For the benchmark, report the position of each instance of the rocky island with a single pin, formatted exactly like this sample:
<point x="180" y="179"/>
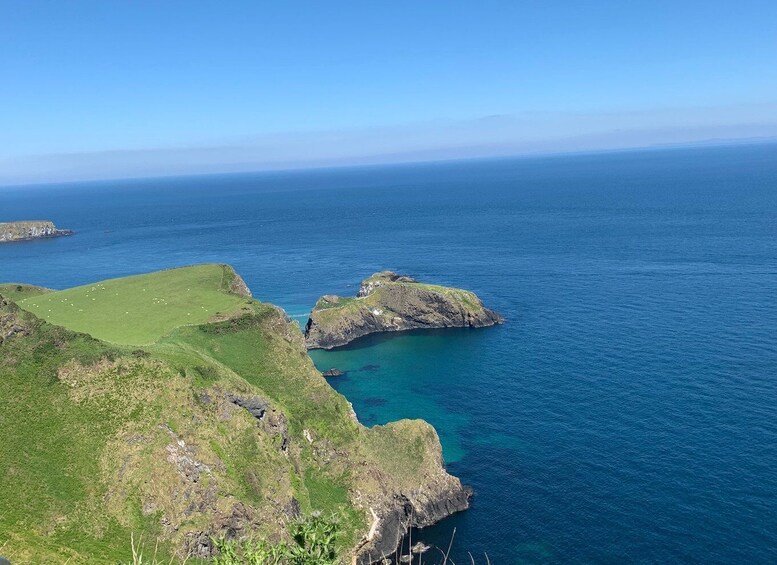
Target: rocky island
<point x="24" y="231"/>
<point x="388" y="302"/>
<point x="180" y="408"/>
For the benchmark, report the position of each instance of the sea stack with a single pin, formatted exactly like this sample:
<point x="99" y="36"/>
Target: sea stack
<point x="389" y="302"/>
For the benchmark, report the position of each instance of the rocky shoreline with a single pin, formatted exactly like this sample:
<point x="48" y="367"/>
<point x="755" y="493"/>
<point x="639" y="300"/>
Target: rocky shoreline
<point x="30" y="230"/>
<point x="388" y="302"/>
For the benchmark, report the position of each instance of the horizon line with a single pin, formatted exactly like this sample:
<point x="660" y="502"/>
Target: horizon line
<point x="334" y="165"/>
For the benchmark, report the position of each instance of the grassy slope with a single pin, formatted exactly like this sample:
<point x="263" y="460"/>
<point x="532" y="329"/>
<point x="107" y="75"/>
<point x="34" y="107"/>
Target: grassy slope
<point x="278" y="367"/>
<point x="49" y="461"/>
<point x="139" y="310"/>
<point x="74" y="477"/>
<point x="249" y="347"/>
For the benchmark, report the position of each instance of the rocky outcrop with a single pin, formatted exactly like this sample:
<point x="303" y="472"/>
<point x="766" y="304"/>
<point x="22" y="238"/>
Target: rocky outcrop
<point x="24" y="231"/>
<point x="402" y="511"/>
<point x="238" y="286"/>
<point x="270" y="419"/>
<point x="256" y="406"/>
<point x="388" y="302"/>
<point x="10" y="322"/>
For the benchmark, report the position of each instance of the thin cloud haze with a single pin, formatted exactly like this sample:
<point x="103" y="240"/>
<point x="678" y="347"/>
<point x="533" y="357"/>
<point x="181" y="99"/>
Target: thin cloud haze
<point x="489" y="136"/>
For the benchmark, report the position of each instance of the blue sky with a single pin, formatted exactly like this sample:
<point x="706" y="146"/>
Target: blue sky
<point x="96" y="89"/>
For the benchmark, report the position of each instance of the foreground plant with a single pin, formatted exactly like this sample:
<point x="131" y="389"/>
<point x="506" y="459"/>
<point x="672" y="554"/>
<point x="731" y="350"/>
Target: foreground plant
<point x="314" y="543"/>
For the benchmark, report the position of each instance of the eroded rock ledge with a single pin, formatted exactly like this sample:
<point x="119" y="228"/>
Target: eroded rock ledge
<point x="24" y="231"/>
<point x="388" y="302"/>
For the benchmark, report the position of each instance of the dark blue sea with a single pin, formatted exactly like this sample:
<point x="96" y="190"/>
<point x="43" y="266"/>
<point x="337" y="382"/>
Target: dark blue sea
<point x="627" y="410"/>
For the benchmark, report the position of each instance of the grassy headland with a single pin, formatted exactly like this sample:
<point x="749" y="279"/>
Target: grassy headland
<point x="139" y="310"/>
<point x="168" y="406"/>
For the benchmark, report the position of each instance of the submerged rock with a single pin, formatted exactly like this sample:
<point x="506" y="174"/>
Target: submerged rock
<point x="388" y="302"/>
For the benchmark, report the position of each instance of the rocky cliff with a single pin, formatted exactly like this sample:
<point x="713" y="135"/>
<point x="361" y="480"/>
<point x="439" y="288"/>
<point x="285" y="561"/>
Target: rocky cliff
<point x="388" y="302"/>
<point x="424" y="506"/>
<point x="23" y="231"/>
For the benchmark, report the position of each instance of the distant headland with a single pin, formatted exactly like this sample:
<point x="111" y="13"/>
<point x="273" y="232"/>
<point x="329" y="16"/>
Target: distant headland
<point x="27" y="230"/>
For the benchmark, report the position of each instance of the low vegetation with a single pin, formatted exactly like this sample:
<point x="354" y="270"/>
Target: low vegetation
<point x="313" y="543"/>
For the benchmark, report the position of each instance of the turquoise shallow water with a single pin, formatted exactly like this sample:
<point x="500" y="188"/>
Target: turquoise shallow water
<point x="627" y="410"/>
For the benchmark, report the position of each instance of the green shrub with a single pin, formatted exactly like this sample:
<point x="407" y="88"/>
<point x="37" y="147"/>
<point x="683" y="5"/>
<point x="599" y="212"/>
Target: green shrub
<point x="314" y="544"/>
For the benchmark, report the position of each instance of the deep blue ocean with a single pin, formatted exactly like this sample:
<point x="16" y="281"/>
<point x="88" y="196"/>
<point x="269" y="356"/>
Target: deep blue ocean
<point x="627" y="410"/>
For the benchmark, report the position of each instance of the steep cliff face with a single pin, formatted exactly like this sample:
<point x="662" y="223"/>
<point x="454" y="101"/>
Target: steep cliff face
<point x="388" y="302"/>
<point x="22" y="231"/>
<point x="435" y="496"/>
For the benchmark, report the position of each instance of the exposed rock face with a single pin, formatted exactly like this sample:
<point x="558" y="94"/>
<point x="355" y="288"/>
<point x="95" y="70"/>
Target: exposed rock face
<point x="23" y="231"/>
<point x="256" y="406"/>
<point x="269" y="418"/>
<point x="388" y="302"/>
<point x="10" y="323"/>
<point x="404" y="511"/>
<point x="239" y="287"/>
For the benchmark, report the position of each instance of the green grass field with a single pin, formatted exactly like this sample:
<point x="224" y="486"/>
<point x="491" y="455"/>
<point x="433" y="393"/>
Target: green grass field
<point x="139" y="310"/>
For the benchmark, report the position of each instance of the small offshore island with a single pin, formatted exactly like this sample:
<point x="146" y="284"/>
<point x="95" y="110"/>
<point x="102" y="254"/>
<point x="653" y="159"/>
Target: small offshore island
<point x="176" y="405"/>
<point x="29" y="230"/>
<point x="388" y="302"/>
